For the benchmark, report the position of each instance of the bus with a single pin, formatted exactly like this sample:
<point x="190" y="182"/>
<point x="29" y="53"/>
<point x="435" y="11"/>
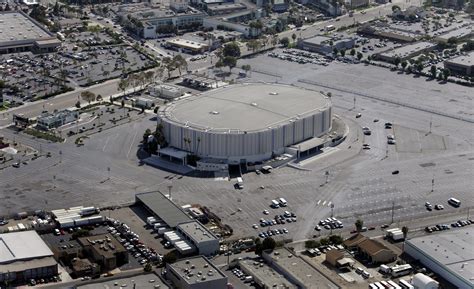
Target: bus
<point x="401" y="270"/>
<point x="454" y="202"/>
<point x="405" y="285"/>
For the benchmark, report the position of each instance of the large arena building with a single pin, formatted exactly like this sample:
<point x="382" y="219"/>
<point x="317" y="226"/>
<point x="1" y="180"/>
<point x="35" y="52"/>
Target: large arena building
<point x="245" y="123"/>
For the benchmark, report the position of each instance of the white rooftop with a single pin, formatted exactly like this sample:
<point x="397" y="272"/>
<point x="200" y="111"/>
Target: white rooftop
<point x="22" y="246"/>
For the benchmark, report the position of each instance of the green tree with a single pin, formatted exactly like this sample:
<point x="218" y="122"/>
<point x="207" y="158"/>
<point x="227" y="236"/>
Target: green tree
<point x="343" y="52"/>
<point x="359" y="224"/>
<point x="268" y="244"/>
<point x="88" y="96"/>
<point x="179" y="62"/>
<point x="335" y="51"/>
<point x="353" y="51"/>
<point x="231" y="49"/>
<point x="433" y="71"/>
<point x="397" y="61"/>
<point x="335" y="239"/>
<point x="230" y="62"/>
<point x="446" y="74"/>
<point x="170" y="258"/>
<point x="285" y="41"/>
<point x="253" y="45"/>
<point x="405" y="231"/>
<point x="452" y="41"/>
<point x="123" y="85"/>
<point x="148" y="267"/>
<point x="396" y="8"/>
<point x="246" y="67"/>
<point x="293" y="37"/>
<point x="404" y="64"/>
<point x="359" y="55"/>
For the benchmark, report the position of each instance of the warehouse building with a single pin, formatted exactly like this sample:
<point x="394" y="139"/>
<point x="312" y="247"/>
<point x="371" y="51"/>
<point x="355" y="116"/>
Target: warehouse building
<point x="25" y="256"/>
<point x="163" y="208"/>
<point x="195" y="273"/>
<point x="406" y="52"/>
<point x="19" y="33"/>
<point x="265" y="276"/>
<point x="204" y="240"/>
<point x="325" y="45"/>
<point x="449" y="254"/>
<point x="244" y="123"/>
<point x="297" y="270"/>
<point x="461" y="65"/>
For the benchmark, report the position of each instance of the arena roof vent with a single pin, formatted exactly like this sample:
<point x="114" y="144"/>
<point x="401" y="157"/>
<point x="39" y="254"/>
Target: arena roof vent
<point x="273" y="93"/>
<point x="214" y="112"/>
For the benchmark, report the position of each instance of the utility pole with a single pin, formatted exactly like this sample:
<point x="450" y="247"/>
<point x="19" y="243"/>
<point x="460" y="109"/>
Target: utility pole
<point x="354" y="102"/>
<point x="332" y="210"/>
<point x="393" y="211"/>
<point x="327" y="176"/>
<point x="431" y="123"/>
<point x="432" y="183"/>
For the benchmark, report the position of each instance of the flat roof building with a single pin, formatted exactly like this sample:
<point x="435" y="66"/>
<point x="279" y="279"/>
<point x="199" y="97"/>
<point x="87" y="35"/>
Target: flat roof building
<point x="195" y="273"/>
<point x="325" y="45"/>
<point x="56" y="119"/>
<point x="162" y="207"/>
<point x="461" y="65"/>
<point x="105" y="250"/>
<point x="19" y="32"/>
<point x="297" y="270"/>
<point x="449" y="254"/>
<point x="265" y="276"/>
<point x="203" y="239"/>
<point x="146" y="281"/>
<point x="459" y="33"/>
<point x="24" y="256"/>
<point x="406" y="52"/>
<point x="187" y="45"/>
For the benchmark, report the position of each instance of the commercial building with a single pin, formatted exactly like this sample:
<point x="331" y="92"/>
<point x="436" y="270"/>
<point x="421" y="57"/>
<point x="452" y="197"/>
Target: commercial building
<point x="297" y="270"/>
<point x="245" y="123"/>
<point x="406" y="52"/>
<point x="19" y="32"/>
<point x="336" y="259"/>
<point x="325" y="45"/>
<point x="461" y="65"/>
<point x="449" y="254"/>
<point x="384" y="30"/>
<point x="375" y="251"/>
<point x="204" y="240"/>
<point x="187" y="46"/>
<point x="165" y="91"/>
<point x="163" y="208"/>
<point x="328" y="7"/>
<point x="105" y="250"/>
<point x="264" y="276"/>
<point x="459" y="33"/>
<point x="25" y="256"/>
<point x="357" y="3"/>
<point x="227" y="8"/>
<point x="195" y="273"/>
<point x="56" y="119"/>
<point x="145" y="281"/>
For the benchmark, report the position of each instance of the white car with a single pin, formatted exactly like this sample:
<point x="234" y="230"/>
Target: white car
<point x="266" y="212"/>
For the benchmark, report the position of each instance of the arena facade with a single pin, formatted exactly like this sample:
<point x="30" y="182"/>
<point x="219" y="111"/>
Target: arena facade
<point x="246" y="122"/>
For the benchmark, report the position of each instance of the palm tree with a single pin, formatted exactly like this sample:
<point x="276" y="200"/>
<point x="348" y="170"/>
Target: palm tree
<point x="359" y="224"/>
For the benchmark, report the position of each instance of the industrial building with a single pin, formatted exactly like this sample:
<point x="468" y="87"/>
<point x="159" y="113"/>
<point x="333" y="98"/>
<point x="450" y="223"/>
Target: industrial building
<point x="449" y="254"/>
<point x="265" y="276"/>
<point x="406" y="52"/>
<point x="325" y="45"/>
<point x="297" y="270"/>
<point x="56" y="119"/>
<point x="205" y="241"/>
<point x="461" y="65"/>
<point x="195" y="273"/>
<point x="25" y="256"/>
<point x="19" y="33"/>
<point x="244" y="123"/>
<point x="459" y="33"/>
<point x="163" y="208"/>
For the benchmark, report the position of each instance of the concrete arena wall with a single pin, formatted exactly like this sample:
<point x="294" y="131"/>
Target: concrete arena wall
<point x="252" y="146"/>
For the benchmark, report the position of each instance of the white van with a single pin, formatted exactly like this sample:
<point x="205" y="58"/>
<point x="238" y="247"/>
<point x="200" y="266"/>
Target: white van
<point x="275" y="204"/>
<point x="283" y="202"/>
<point x="454" y="202"/>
